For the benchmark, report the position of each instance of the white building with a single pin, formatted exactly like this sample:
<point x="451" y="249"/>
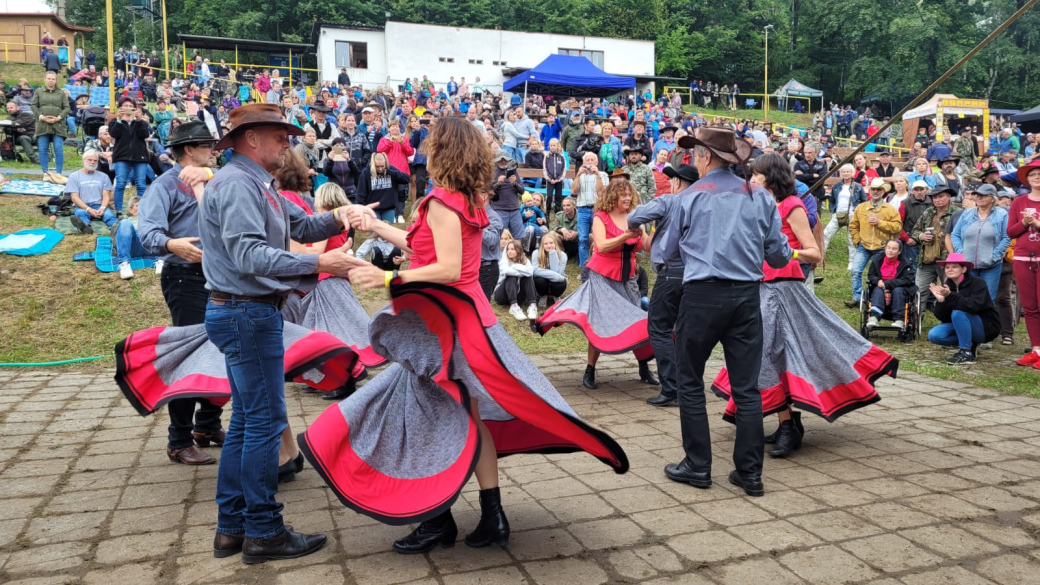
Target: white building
<point x="385" y="56"/>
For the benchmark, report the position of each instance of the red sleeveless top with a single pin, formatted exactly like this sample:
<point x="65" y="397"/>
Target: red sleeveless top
<point x="793" y="270"/>
<point x="420" y="240"/>
<point x="621" y="261"/>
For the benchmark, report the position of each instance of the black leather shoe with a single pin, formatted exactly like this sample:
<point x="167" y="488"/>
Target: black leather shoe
<point x="226" y="545"/>
<point x="340" y="393"/>
<point x="685" y="473"/>
<point x="788" y="440"/>
<point x="287" y="545"/>
<point x="590" y="377"/>
<point x="439" y="530"/>
<point x="752" y="484"/>
<point x="797" y="418"/>
<point x="645" y="375"/>
<point x="288" y="470"/>
<point x="662" y="400"/>
<point x="493" y="527"/>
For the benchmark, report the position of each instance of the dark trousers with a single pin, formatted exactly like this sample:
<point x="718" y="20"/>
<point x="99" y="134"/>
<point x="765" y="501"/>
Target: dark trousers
<point x="554" y="198"/>
<point x="184" y="289"/>
<point x="488" y="277"/>
<point x="1005" y="304"/>
<point x="664" y="309"/>
<point x="402" y="198"/>
<point x="570" y="247"/>
<point x="642" y="281"/>
<point x="728" y="312"/>
<point x="421" y="176"/>
<point x="549" y="288"/>
<point x="516" y="290"/>
<point x="386" y="262"/>
<point x="877" y="299"/>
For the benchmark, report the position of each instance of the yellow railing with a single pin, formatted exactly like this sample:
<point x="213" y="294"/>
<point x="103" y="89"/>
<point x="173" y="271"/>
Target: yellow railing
<point x="741" y="97"/>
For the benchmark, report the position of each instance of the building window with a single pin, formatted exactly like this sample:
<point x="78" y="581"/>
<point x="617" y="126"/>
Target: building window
<point x="352" y="55"/>
<point x="447" y="59"/>
<point x="595" y="56"/>
<point x="476" y="61"/>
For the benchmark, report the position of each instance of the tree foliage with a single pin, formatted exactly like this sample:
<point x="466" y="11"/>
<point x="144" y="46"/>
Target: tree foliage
<point x="888" y="49"/>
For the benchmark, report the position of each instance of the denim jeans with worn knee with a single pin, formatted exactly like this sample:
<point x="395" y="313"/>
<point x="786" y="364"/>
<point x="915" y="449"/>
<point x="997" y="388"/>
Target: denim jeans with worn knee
<point x="128" y="244"/>
<point x="963" y="331"/>
<point x="108" y="217"/>
<point x="584" y="231"/>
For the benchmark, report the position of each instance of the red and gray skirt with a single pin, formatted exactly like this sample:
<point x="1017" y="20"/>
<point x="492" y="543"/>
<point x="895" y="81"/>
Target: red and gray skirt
<point x="811" y="358"/>
<point x="608" y="313"/>
<point x="401" y="448"/>
<point x="157" y="365"/>
<point x="332" y="307"/>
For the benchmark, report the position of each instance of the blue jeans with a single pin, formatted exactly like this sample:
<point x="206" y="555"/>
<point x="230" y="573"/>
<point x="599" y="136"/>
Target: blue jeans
<point x="991" y="276"/>
<point x="515" y="153"/>
<point x="71" y="120"/>
<point x="43" y="143"/>
<point x="108" y="217"/>
<point x="512" y="221"/>
<point x="388" y="215"/>
<point x="250" y="337"/>
<point x="584" y="231"/>
<point x="128" y="244"/>
<point x="859" y="264"/>
<point x="911" y="254"/>
<point x="963" y="331"/>
<point x="123" y="170"/>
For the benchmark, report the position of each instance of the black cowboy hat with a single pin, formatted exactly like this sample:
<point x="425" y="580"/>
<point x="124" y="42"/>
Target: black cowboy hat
<point x="722" y="142"/>
<point x="950" y="158"/>
<point x="667" y="128"/>
<point x="321" y="108"/>
<point x="683" y="173"/>
<point x="194" y="132"/>
<point x="941" y="190"/>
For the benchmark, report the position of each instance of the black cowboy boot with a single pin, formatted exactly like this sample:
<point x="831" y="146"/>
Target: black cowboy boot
<point x="341" y="393"/>
<point x="788" y="440"/>
<point x="438" y="530"/>
<point x="590" y="377"/>
<point x="645" y="375"/>
<point x="493" y="527"/>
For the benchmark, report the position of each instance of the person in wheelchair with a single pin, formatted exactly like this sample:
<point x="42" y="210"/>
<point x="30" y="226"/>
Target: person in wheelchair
<point x="891" y="278"/>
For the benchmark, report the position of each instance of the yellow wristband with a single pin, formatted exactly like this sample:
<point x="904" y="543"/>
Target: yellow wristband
<point x="210" y="171"/>
<point x="794" y="256"/>
<point x="389" y="277"/>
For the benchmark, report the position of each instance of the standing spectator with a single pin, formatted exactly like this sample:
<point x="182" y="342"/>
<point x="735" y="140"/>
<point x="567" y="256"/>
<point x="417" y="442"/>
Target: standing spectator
<point x="130" y="154"/>
<point x="1024" y="226"/>
<point x="397" y="150"/>
<point x="90" y="192"/>
<point x="344" y="79"/>
<point x="356" y="142"/>
<point x="846" y="195"/>
<point x="910" y="210"/>
<point x="588" y="182"/>
<point x="342" y="169"/>
<point x="981" y="236"/>
<point x="551" y="129"/>
<point x="490" y="254"/>
<point x="641" y="177"/>
<point x="418" y="136"/>
<point x="809" y="170"/>
<point x="610" y="153"/>
<point x="507" y="189"/>
<point x="931" y="232"/>
<point x="922" y="172"/>
<point x="50" y="107"/>
<point x="873" y="224"/>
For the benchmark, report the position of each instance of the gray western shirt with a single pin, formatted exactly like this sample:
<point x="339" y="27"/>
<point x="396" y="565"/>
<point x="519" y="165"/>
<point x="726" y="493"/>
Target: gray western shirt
<point x="726" y="234"/>
<point x="168" y="210"/>
<point x="245" y="226"/>
<point x="664" y="253"/>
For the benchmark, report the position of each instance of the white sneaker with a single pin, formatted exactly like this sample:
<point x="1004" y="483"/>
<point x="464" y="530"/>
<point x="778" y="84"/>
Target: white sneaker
<point x="400" y="219"/>
<point x="517" y="312"/>
<point x="125" y="272"/>
<point x="158" y="267"/>
<point x="532" y="311"/>
<point x="899" y="324"/>
<point x="872" y="322"/>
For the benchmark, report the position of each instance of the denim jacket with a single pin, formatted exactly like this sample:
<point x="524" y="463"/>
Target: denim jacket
<point x="984" y="253"/>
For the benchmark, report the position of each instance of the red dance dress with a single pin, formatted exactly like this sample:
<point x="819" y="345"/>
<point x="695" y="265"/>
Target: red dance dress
<point x="401" y="448"/>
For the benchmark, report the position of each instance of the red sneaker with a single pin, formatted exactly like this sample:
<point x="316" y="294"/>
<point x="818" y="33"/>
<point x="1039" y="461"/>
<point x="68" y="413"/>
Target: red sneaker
<point x="1030" y="359"/>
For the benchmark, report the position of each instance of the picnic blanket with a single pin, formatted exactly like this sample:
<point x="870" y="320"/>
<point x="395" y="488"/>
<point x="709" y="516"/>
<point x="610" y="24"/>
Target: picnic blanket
<point x="64" y="225"/>
<point x="106" y="262"/>
<point x="30" y="242"/>
<point x="27" y="187"/>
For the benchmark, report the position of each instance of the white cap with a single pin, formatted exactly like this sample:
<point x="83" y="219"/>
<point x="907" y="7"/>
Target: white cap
<point x="367" y="111"/>
<point x="919" y="183"/>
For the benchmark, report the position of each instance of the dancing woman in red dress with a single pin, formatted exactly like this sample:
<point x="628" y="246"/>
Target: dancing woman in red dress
<point x="460" y="393"/>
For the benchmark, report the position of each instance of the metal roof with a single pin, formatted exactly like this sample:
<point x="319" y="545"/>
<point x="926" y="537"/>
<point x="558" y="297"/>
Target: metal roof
<point x="226" y="44"/>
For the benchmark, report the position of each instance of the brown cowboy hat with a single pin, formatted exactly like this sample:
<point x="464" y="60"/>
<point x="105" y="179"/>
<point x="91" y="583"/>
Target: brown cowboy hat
<point x="722" y="142"/>
<point x="245" y="117"/>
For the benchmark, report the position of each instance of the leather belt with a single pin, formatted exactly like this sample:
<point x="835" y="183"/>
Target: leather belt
<point x="271" y="299"/>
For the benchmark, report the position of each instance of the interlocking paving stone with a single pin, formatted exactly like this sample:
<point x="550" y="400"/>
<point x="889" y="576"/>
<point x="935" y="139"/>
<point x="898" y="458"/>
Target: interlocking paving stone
<point x="937" y="483"/>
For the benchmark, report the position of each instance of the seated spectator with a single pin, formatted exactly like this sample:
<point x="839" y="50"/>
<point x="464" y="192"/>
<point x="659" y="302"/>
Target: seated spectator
<point x="567" y="227"/>
<point x="535" y="222"/>
<point x="550" y="276"/>
<point x="22" y="130"/>
<point x="384" y="254"/>
<point x="516" y="282"/>
<point x="128" y="243"/>
<point x="965" y="310"/>
<point x="891" y="278"/>
<point x="91" y="192"/>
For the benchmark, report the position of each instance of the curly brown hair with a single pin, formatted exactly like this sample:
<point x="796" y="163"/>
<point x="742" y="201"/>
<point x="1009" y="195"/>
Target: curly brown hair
<point x="292" y="176"/>
<point x="610" y="196"/>
<point x="458" y="158"/>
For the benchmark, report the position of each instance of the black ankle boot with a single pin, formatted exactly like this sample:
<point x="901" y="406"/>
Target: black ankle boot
<point x="493" y="527"/>
<point x="439" y="530"/>
<point x="590" y="377"/>
<point x="771" y="438"/>
<point x="645" y="375"/>
<point x="788" y="439"/>
<point x="341" y="393"/>
<point x="797" y="417"/>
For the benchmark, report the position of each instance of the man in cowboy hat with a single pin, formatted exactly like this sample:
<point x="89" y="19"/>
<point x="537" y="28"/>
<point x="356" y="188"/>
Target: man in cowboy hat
<point x="947" y="175"/>
<point x="665" y="142"/>
<point x="638" y="138"/>
<point x="324" y="130"/>
<point x="726" y="228"/>
<point x="245" y="227"/>
<point x="667" y="262"/>
<point x="168" y="225"/>
<point x="641" y="176"/>
<point x="873" y="223"/>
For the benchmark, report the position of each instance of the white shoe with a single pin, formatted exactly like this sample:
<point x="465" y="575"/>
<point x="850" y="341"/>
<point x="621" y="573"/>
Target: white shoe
<point x="400" y="219"/>
<point x="158" y="267"/>
<point x="872" y="322"/>
<point x="517" y="313"/>
<point x="532" y="311"/>
<point x="899" y="324"/>
<point x="125" y="272"/>
<point x="542" y="302"/>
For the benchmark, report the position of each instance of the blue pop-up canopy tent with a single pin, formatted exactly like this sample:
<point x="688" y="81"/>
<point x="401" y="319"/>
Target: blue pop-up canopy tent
<point x="563" y="75"/>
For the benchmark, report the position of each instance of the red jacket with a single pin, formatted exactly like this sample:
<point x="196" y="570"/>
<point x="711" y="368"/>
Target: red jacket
<point x="397" y="152"/>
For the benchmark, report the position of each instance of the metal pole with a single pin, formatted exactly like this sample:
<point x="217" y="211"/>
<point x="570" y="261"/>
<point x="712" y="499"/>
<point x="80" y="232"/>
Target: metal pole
<point x="931" y="88"/>
<point x="765" y="88"/>
<point x="165" y="41"/>
<point x="290" y="68"/>
<point x="525" y="96"/>
<point x="184" y="58"/>
<point x="111" y="58"/>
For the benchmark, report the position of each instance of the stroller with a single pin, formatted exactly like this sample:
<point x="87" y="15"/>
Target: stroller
<point x="94" y="117"/>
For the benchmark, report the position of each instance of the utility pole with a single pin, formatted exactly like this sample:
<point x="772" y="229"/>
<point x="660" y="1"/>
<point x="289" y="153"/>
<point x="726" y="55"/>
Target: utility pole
<point x="765" y="87"/>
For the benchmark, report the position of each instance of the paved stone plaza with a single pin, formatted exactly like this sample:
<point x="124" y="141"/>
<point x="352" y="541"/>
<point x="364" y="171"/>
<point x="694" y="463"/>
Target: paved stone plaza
<point x="937" y="484"/>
